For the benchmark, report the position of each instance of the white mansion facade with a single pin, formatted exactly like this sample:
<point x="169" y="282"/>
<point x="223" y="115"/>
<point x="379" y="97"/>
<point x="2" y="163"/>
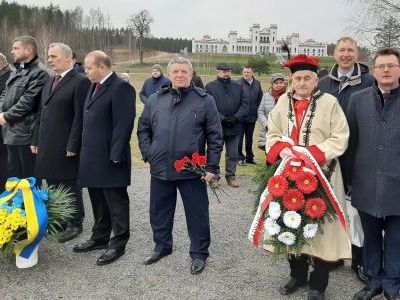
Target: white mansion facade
<point x="260" y="41"/>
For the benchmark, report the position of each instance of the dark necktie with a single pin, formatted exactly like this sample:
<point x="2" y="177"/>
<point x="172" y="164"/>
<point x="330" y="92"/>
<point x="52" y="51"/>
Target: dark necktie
<point x="385" y="96"/>
<point x="343" y="78"/>
<point x="96" y="88"/>
<point x="56" y="81"/>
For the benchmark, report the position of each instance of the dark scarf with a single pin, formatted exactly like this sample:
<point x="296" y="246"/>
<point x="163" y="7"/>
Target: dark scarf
<point x="277" y="93"/>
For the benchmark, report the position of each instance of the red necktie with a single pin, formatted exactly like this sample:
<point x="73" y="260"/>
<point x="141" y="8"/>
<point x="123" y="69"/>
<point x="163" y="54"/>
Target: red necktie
<point x="96" y="88"/>
<point x="56" y="81"/>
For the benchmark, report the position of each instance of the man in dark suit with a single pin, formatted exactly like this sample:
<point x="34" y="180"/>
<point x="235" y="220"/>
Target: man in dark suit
<point x="105" y="163"/>
<point x="5" y="72"/>
<point x="57" y="137"/>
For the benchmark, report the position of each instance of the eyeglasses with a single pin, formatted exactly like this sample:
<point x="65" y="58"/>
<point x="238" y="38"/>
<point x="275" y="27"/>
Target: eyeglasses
<point x="382" y="67"/>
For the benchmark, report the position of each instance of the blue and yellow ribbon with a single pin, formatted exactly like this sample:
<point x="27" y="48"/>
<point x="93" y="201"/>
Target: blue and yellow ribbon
<point x="35" y="209"/>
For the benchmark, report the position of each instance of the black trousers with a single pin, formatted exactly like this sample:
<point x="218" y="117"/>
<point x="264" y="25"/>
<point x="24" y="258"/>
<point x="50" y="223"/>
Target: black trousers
<point x="246" y="133"/>
<point x="231" y="157"/>
<point x="319" y="277"/>
<point x="381" y="252"/>
<point x="76" y="191"/>
<point x="111" y="213"/>
<point x="162" y="210"/>
<point x="20" y="161"/>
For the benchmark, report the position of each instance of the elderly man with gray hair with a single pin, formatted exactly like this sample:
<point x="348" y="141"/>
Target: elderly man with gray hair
<point x="58" y="133"/>
<point x="177" y="121"/>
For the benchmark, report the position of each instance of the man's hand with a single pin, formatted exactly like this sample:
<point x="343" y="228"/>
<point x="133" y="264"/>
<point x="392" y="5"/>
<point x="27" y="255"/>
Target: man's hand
<point x="286" y="152"/>
<point x="2" y="120"/>
<point x="34" y="149"/>
<point x="208" y="177"/>
<point x="70" y="154"/>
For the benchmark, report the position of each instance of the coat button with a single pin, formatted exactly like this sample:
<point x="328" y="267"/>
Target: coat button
<point x="380" y="147"/>
<point x="379" y="171"/>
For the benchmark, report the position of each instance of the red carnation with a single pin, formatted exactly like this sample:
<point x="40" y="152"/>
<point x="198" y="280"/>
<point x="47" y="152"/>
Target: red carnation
<point x="277" y="185"/>
<point x="179" y="165"/>
<point x="306" y="183"/>
<point x="195" y="159"/>
<point x="292" y="172"/>
<point x="315" y="208"/>
<point x="185" y="160"/>
<point x="202" y="160"/>
<point x="293" y="200"/>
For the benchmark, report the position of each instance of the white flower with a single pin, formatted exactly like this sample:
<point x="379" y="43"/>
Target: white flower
<point x="287" y="238"/>
<point x="272" y="227"/>
<point x="292" y="219"/>
<point x="310" y="230"/>
<point x="274" y="210"/>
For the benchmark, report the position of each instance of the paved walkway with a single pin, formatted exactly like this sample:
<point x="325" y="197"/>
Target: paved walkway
<point x="235" y="270"/>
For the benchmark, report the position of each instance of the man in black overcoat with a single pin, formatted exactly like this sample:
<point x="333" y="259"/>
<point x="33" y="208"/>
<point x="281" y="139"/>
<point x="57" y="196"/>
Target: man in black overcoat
<point x="105" y="163"/>
<point x="57" y="137"/>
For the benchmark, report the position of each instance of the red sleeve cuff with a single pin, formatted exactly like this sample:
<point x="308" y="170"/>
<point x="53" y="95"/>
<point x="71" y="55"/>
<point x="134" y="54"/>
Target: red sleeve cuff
<point x="317" y="154"/>
<point x="273" y="153"/>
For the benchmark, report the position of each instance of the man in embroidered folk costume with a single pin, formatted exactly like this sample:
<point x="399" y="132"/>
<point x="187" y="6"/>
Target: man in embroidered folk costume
<point x="308" y="118"/>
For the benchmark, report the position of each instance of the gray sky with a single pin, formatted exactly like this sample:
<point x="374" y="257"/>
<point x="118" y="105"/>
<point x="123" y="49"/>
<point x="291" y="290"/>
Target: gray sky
<point x="323" y="20"/>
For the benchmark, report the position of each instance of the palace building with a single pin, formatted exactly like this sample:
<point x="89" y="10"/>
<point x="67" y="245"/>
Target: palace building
<point x="260" y="41"/>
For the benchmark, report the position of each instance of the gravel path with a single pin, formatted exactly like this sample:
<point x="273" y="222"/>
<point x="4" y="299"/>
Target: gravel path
<point x="235" y="269"/>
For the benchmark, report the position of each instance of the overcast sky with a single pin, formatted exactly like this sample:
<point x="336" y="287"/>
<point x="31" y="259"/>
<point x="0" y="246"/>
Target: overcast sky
<point x="322" y="20"/>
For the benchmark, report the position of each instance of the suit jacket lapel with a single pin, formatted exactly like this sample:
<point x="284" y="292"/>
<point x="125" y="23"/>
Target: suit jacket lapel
<point x="90" y="100"/>
<point x="63" y="81"/>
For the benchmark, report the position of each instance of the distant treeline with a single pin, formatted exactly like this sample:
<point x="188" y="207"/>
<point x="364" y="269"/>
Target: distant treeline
<point x="83" y="32"/>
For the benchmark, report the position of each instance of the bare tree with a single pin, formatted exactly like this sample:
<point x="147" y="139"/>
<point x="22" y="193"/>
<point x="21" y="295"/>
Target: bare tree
<point x="388" y="35"/>
<point x="371" y="15"/>
<point x="140" y="25"/>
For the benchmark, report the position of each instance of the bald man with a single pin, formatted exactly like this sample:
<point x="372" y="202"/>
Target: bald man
<point x="105" y="165"/>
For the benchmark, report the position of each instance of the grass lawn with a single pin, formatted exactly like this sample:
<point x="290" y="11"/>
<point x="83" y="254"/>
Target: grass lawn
<point x="139" y="73"/>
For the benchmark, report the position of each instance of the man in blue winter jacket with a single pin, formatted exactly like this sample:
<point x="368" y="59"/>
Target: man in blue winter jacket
<point x="154" y="83"/>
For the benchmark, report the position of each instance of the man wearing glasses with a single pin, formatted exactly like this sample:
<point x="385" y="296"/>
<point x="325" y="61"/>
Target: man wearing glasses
<point x="374" y="154"/>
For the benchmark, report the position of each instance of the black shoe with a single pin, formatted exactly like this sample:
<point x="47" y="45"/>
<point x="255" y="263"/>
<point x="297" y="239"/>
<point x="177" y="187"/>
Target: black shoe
<point x="69" y="234"/>
<point x="89" y="245"/>
<point x="291" y="286"/>
<point x="197" y="266"/>
<point x="391" y="297"/>
<point x="252" y="162"/>
<point x="367" y="294"/>
<point x="241" y="162"/>
<point x="315" y="295"/>
<point x="109" y="256"/>
<point x="155" y="257"/>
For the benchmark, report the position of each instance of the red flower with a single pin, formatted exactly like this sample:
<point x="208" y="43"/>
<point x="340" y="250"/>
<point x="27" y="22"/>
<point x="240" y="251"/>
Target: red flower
<point x="292" y="172"/>
<point x="277" y="185"/>
<point x="306" y="183"/>
<point x="185" y="160"/>
<point x="315" y="208"/>
<point x="293" y="200"/>
<point x="179" y="165"/>
<point x="202" y="160"/>
<point x="195" y="159"/>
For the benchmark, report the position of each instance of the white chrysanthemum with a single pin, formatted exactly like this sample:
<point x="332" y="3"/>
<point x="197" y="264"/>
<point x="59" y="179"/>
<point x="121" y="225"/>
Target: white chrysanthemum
<point x="292" y="219"/>
<point x="271" y="227"/>
<point x="310" y="230"/>
<point x="274" y="210"/>
<point x="287" y="238"/>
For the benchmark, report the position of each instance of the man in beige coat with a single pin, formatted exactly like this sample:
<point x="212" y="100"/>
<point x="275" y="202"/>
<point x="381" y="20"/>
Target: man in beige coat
<point x="317" y="122"/>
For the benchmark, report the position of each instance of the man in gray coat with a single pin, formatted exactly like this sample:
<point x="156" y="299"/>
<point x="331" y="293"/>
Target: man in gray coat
<point x="374" y="158"/>
<point x="18" y="105"/>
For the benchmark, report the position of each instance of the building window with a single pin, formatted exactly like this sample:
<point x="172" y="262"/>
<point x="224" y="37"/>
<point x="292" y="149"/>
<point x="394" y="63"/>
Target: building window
<point x="273" y="39"/>
<point x="255" y="48"/>
<point x="267" y="39"/>
<point x="256" y="38"/>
